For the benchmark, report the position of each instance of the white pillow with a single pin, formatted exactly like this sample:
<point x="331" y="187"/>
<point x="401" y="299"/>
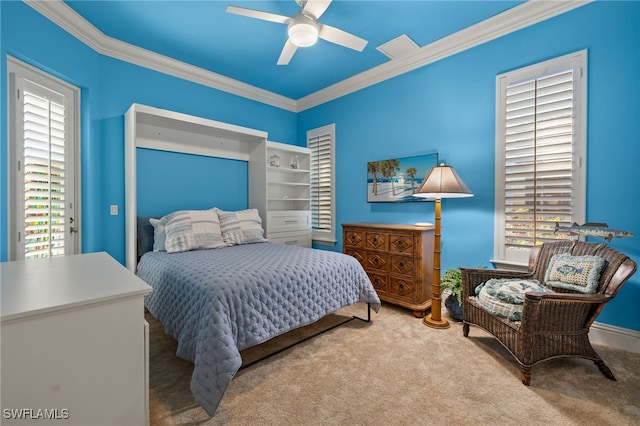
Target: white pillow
<point x="159" y="234"/>
<point x="192" y="229"/>
<point x="241" y="227"/>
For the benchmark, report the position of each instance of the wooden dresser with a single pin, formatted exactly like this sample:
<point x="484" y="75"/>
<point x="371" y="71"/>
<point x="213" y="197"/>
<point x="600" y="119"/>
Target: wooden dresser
<point x="398" y="260"/>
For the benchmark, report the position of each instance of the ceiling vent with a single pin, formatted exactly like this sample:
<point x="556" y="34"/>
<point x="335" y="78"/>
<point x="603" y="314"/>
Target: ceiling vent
<point x="399" y="46"/>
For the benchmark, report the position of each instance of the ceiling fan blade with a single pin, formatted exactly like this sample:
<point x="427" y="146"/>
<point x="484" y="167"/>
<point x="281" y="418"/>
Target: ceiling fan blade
<point x="258" y="14"/>
<point x="316" y="7"/>
<point x="343" y="38"/>
<point x="287" y="53"/>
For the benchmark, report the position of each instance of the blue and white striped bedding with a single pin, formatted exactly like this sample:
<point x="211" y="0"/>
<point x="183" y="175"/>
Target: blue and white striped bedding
<point x="217" y="302"/>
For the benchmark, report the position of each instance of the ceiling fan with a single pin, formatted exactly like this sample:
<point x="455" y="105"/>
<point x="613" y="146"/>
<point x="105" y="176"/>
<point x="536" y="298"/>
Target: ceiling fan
<point x="303" y="28"/>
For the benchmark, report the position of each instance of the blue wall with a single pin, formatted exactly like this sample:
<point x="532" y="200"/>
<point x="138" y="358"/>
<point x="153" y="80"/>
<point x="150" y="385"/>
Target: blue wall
<point x="109" y="87"/>
<point x="448" y="107"/>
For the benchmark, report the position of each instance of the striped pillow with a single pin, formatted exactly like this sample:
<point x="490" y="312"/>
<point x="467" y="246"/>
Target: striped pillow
<point x="192" y="229"/>
<point x="241" y="227"/>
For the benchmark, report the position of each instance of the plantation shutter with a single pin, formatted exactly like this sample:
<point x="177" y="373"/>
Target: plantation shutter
<point x="321" y="182"/>
<point x="540" y="185"/>
<point x="321" y="143"/>
<point x="44" y="166"/>
<point x="538" y="159"/>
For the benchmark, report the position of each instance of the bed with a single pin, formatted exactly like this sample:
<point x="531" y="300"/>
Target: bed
<point x="216" y="302"/>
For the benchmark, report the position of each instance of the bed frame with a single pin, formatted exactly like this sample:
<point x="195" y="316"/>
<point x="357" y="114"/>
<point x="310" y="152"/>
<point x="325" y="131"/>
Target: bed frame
<point x="341" y="323"/>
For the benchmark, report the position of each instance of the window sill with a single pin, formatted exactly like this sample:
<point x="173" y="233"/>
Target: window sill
<point x="509" y="265"/>
<point x="324" y="241"/>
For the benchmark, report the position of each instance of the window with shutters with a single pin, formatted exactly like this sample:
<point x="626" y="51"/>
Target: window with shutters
<point x="43" y="220"/>
<point x="540" y="155"/>
<point x="321" y="142"/>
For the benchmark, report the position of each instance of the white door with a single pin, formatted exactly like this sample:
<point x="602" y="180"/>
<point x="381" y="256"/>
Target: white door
<point x="43" y="213"/>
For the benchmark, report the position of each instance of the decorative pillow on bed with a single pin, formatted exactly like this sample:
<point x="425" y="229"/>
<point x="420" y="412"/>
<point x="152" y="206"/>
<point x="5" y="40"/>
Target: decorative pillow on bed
<point x="192" y="229"/>
<point x="241" y="227"/>
<point x="578" y="273"/>
<point x="504" y="297"/>
<point x="159" y="234"/>
<point x="145" y="235"/>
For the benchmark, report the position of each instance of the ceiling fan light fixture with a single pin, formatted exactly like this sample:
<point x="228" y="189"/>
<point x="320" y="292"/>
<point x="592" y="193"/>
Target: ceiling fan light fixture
<point x="303" y="31"/>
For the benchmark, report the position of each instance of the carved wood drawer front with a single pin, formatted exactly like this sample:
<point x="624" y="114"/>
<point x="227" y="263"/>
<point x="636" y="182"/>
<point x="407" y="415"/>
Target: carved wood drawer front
<point x="377" y="241"/>
<point x="402" y="265"/>
<point x="359" y="255"/>
<point x="354" y="239"/>
<point x="401" y="243"/>
<point x="378" y="261"/>
<point x="401" y="287"/>
<point x="379" y="281"/>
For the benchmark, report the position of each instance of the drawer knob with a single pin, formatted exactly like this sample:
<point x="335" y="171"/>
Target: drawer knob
<point x="375" y="240"/>
<point x="401" y="288"/>
<point x="400" y="243"/>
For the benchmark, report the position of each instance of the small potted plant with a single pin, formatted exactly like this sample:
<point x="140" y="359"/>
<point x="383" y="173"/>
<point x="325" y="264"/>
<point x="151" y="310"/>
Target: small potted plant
<point x="452" y="283"/>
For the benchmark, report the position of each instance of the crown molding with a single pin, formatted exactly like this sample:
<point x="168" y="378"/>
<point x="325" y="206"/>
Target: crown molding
<point x="511" y="20"/>
<point x="62" y="15"/>
<point x="514" y="19"/>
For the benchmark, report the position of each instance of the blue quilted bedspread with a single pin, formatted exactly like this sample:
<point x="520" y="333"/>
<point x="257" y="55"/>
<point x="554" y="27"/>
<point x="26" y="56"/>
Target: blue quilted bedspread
<point x="217" y="302"/>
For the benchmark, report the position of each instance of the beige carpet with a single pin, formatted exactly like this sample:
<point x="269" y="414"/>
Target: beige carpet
<point x="396" y="371"/>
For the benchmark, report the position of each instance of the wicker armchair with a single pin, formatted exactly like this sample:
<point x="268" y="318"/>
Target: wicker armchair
<point x="552" y="325"/>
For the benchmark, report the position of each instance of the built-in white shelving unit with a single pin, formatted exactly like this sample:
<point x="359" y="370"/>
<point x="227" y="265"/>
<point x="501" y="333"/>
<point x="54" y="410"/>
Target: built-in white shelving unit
<point x="281" y="194"/>
<point x="155" y="128"/>
<point x="279" y="179"/>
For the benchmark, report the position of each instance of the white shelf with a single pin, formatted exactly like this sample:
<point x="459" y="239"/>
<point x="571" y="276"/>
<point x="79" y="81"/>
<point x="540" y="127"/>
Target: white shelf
<point x="282" y="194"/>
<point x="302" y="184"/>
<point x="287" y="170"/>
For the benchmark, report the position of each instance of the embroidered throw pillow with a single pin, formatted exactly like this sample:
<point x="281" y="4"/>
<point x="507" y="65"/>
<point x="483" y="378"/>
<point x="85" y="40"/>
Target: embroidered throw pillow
<point x="241" y="227"/>
<point x="192" y="229"/>
<point x="578" y="273"/>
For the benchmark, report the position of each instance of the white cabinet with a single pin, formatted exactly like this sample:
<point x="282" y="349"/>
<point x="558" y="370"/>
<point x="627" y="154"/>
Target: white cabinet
<point x="279" y="187"/>
<point x="74" y="342"/>
<point x="160" y="129"/>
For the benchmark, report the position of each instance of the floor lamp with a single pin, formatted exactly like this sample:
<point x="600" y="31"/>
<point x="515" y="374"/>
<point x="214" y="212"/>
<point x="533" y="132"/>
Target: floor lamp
<point x="441" y="182"/>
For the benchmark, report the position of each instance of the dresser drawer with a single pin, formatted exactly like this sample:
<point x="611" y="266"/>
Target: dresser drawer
<point x="379" y="282"/>
<point x="293" y="238"/>
<point x="288" y="220"/>
<point x="402" y="244"/>
<point x="354" y="239"/>
<point x="376" y="262"/>
<point x="377" y="241"/>
<point x="404" y="288"/>
<point x="402" y="265"/>
<point x="358" y="254"/>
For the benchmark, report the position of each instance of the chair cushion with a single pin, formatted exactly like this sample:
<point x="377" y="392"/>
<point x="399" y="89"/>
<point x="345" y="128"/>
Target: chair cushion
<point x="505" y="296"/>
<point x="578" y="273"/>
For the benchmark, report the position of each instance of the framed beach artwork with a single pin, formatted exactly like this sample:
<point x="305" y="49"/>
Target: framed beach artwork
<point x="397" y="179"/>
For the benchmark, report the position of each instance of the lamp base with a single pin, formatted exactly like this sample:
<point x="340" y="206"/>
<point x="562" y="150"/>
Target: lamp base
<point x="440" y="324"/>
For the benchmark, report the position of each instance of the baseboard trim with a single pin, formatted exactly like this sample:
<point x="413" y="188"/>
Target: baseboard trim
<point x="615" y="337"/>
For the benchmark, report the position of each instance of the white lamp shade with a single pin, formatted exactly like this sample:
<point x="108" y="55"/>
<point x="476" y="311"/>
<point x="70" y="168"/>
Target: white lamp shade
<point x="443" y="182"/>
